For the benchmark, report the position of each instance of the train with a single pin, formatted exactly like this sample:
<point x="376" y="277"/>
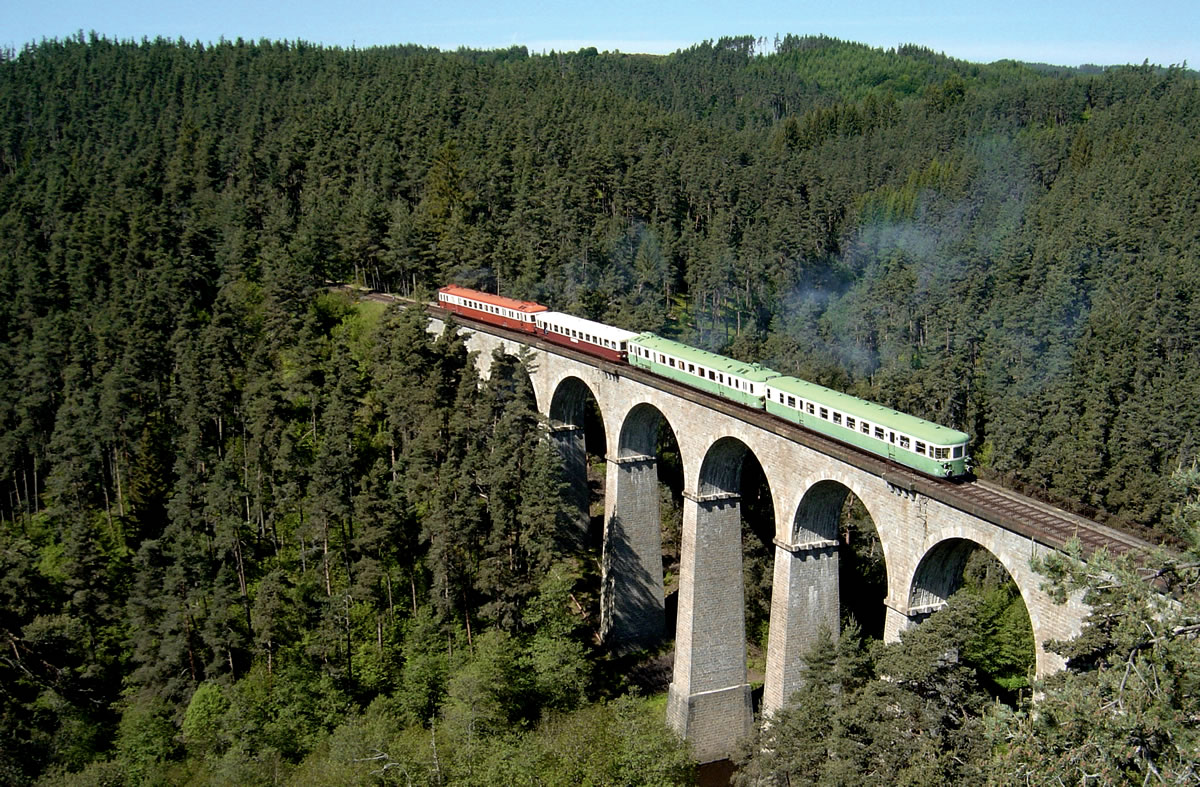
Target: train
<point x="924" y="446"/>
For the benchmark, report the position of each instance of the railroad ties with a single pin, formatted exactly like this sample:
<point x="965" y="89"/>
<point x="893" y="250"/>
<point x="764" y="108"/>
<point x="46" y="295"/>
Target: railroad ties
<point x="1055" y="527"/>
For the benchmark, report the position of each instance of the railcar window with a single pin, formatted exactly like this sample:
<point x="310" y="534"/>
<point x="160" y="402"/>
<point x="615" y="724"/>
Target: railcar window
<point x="691" y="368"/>
<point x="811" y="409"/>
<point x="958" y="452"/>
<point x="866" y="428"/>
<point x="837" y="418"/>
<point x="791" y="401"/>
<point x="850" y="422"/>
<point x="920" y="447"/>
<point x="825" y="413"/>
<point x="751" y="387"/>
<point x="904" y="441"/>
<point x="712" y="375"/>
<point x="671" y="361"/>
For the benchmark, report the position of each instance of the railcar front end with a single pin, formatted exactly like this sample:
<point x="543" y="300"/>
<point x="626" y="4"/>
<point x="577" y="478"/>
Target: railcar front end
<point x="914" y="442"/>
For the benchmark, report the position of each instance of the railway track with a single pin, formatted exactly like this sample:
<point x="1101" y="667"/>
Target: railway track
<point x="1003" y="507"/>
<point x="1055" y="526"/>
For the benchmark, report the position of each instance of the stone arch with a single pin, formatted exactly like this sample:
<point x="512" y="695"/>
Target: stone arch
<point x="639" y="431"/>
<point x="633" y="599"/>
<point x="483" y="345"/>
<point x="816" y="518"/>
<point x="807" y="594"/>
<point x="721" y="468"/>
<point x="567" y="411"/>
<point x="940" y="573"/>
<point x="568" y="401"/>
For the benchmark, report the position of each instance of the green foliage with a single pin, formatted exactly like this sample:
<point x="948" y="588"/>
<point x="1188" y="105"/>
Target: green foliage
<point x="145" y="740"/>
<point x="614" y="743"/>
<point x="216" y="474"/>
<point x="1001" y="647"/>
<point x="906" y="713"/>
<point x="202" y="720"/>
<point x="1125" y="709"/>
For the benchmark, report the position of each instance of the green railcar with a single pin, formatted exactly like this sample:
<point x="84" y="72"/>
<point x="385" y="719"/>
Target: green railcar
<point x="920" y="444"/>
<point x="716" y="374"/>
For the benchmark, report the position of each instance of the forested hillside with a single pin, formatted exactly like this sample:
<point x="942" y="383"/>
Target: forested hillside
<point x="213" y="475"/>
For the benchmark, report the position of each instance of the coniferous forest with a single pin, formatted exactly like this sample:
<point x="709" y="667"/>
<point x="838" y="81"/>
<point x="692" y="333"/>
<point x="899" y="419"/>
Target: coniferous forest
<point x="254" y="531"/>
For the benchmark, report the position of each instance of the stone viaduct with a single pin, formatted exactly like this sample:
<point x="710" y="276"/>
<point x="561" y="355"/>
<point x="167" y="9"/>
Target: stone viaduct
<point x="924" y="540"/>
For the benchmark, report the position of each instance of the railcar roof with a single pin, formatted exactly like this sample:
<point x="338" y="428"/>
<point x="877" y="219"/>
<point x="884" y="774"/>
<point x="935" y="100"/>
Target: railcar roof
<point x="589" y="326"/>
<point x="919" y="428"/>
<point x="529" y="307"/>
<point x="748" y="371"/>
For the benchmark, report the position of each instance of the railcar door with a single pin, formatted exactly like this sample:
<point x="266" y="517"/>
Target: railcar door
<point x="891" y="445"/>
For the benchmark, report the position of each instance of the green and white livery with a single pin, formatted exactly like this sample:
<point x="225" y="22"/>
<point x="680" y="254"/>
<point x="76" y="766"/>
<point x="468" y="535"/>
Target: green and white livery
<point x="905" y="439"/>
<point x="920" y="444"/>
<point x="735" y="380"/>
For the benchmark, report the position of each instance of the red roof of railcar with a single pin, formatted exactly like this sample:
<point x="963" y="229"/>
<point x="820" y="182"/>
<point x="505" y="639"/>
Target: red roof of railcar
<point x="528" y="307"/>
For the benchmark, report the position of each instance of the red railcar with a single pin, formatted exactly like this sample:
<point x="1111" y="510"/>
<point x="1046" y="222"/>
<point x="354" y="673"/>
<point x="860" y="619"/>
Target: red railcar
<point x="494" y="309"/>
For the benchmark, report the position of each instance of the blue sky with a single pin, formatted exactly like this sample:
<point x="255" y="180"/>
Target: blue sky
<point x="1064" y="33"/>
